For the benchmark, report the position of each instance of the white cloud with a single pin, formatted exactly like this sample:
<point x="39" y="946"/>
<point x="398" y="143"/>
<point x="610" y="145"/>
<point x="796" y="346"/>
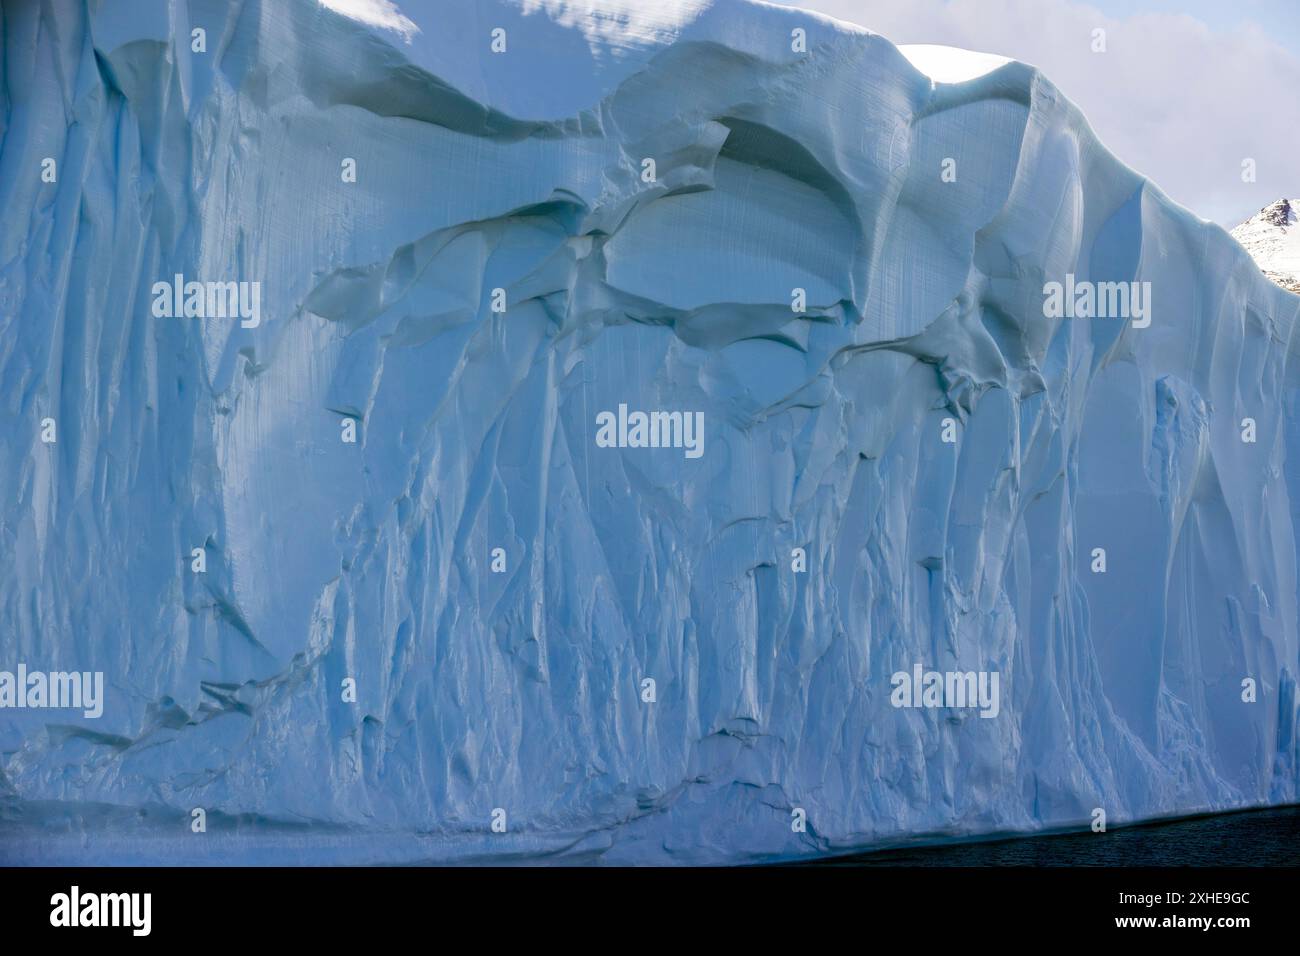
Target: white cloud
<point x="1177" y="102"/>
<point x="383" y="14"/>
<point x="950" y="64"/>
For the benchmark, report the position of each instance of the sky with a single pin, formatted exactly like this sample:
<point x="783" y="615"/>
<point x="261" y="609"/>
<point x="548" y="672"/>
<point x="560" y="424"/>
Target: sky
<point x="1184" y="92"/>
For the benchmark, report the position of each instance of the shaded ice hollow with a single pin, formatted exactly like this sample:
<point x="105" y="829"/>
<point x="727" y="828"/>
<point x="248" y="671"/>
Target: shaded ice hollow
<point x="521" y="689"/>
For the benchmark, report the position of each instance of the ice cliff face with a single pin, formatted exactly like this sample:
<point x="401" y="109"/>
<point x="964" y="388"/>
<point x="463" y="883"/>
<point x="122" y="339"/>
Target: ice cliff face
<point x="469" y="260"/>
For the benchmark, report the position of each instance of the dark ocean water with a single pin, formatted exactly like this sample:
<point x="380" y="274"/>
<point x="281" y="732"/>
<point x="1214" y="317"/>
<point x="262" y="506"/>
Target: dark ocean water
<point x="1251" y="838"/>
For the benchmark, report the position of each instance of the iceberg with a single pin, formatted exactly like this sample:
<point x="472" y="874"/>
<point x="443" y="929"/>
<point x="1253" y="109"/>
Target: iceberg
<point x="362" y="584"/>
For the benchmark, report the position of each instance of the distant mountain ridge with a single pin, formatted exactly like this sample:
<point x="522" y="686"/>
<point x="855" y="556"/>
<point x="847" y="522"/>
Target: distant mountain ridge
<point x="1272" y="237"/>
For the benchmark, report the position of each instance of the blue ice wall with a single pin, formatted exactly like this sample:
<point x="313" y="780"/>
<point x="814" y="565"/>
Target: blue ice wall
<point x="375" y="650"/>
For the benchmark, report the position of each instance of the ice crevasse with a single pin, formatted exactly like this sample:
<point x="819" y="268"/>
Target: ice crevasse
<point x="475" y="233"/>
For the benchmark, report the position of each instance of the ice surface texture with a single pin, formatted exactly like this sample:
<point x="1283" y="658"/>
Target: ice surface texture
<point x="521" y="690"/>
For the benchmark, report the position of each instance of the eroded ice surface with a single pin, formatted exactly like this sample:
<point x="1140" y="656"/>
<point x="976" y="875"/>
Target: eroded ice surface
<point x="523" y="170"/>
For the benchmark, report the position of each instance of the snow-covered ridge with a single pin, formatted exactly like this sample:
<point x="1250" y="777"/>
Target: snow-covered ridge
<point x="363" y="573"/>
<point x="1272" y="237"/>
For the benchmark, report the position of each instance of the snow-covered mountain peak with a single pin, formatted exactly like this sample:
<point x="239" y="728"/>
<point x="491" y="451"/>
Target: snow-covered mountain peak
<point x="1272" y="237"/>
<point x="1280" y="213"/>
